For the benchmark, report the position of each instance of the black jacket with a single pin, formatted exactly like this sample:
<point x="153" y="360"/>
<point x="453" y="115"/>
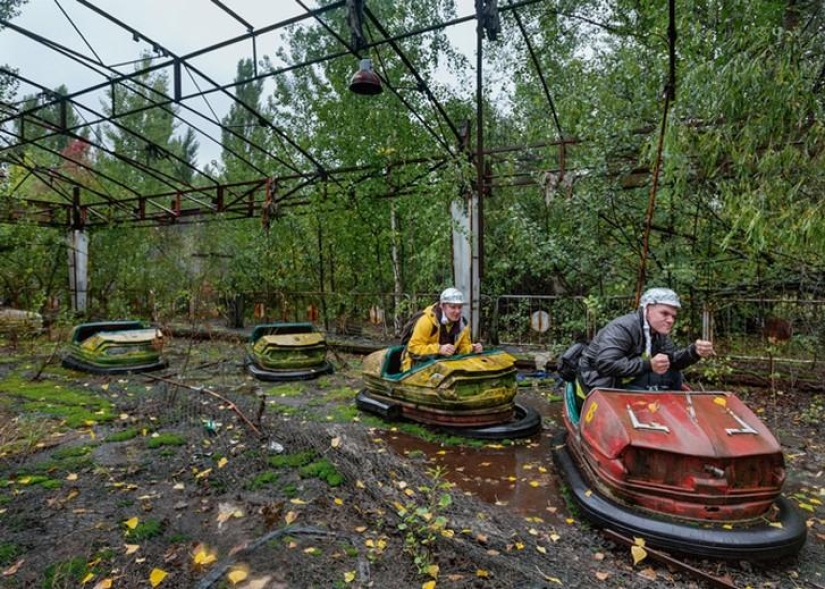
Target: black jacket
<point x="617" y="353"/>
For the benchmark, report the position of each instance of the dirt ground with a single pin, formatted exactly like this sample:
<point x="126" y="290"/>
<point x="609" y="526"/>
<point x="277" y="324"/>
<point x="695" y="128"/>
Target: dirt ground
<point x="208" y="478"/>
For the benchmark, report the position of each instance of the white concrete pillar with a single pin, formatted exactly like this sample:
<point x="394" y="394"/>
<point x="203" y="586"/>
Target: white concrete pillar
<point x="78" y="249"/>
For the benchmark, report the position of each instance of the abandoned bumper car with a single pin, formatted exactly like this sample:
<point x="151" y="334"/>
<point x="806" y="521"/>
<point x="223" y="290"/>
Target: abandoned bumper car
<point x="287" y="351"/>
<point x="115" y="347"/>
<point x="471" y="395"/>
<point x="690" y="472"/>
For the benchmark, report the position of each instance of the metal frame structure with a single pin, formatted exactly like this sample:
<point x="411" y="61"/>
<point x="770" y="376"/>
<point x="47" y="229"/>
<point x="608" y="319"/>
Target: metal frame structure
<point x="78" y="205"/>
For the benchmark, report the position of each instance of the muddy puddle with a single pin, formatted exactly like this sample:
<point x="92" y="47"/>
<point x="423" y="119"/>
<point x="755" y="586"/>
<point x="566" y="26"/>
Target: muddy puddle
<point x="520" y="477"/>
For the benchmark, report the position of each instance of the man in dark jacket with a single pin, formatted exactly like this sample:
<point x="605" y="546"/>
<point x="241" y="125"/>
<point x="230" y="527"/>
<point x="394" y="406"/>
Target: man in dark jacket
<point x="635" y="351"/>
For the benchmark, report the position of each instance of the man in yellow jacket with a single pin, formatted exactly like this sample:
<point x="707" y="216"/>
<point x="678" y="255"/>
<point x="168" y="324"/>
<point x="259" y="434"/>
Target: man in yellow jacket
<point x="440" y="331"/>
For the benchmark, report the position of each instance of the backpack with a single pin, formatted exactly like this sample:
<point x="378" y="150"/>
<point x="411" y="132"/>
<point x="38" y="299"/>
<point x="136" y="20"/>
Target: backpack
<point x="409" y="326"/>
<point x="568" y="363"/>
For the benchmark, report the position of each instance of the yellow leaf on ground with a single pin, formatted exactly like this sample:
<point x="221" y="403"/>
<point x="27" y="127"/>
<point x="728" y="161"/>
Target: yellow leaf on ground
<point x="721" y="401"/>
<point x="223" y="462"/>
<point x="338" y="501"/>
<point x="639" y="554"/>
<point x="156" y="577"/>
<point x="432" y="570"/>
<point x="297" y="501"/>
<point x="87" y="578"/>
<point x="336" y="441"/>
<point x="104" y="584"/>
<point x="541" y="549"/>
<point x="203" y="556"/>
<point x="290" y="517"/>
<point x="602" y="576"/>
<point x="132" y="523"/>
<point x="349" y="576"/>
<point x="72" y="476"/>
<point x="482" y="573"/>
<point x="132" y="548"/>
<point x="428" y="585"/>
<point x="237" y="574"/>
<point x="203" y="473"/>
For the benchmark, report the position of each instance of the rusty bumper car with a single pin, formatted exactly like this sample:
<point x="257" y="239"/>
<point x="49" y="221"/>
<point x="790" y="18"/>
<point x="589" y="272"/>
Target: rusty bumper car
<point x="287" y="351"/>
<point x="471" y="395"/>
<point x="690" y="472"/>
<point x="115" y="347"/>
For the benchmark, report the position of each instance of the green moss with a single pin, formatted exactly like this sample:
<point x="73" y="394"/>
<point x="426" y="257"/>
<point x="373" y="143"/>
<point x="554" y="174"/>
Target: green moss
<point x="65" y="574"/>
<point x="296" y="460"/>
<point x="322" y="469"/>
<point x="290" y="491"/>
<point x="39" y="480"/>
<point x="71" y="452"/>
<point x="51" y="399"/>
<point x="264" y="479"/>
<point x="145" y="530"/>
<point x="282" y="409"/>
<point x="161" y="440"/>
<point x="124" y="435"/>
<point x="8" y="553"/>
<point x="287" y="390"/>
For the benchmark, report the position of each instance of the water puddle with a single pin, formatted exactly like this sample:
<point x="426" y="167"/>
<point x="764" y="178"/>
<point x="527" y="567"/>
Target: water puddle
<point x="520" y="477"/>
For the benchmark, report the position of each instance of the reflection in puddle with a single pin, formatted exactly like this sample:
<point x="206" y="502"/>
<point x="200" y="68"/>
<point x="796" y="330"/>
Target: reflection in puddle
<point x="520" y="477"/>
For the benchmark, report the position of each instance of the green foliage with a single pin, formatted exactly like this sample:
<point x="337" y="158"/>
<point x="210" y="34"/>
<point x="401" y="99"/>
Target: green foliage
<point x="65" y="574"/>
<point x="423" y="520"/>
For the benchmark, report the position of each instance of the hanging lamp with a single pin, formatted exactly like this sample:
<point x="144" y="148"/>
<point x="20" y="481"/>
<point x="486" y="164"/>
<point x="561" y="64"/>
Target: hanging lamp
<point x="365" y="81"/>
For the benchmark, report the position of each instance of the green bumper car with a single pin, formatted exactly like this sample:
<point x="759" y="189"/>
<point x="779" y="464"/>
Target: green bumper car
<point x="115" y="347"/>
<point x="287" y="351"/>
<point x="471" y="395"/>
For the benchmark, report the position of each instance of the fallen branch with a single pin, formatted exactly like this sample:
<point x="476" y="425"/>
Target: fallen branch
<point x="211" y="393"/>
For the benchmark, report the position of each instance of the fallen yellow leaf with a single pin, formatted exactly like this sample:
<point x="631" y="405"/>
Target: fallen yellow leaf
<point x="336" y="441"/>
<point x="223" y="462"/>
<point x="639" y="554"/>
<point x="290" y="517"/>
<point x="349" y="576"/>
<point x="132" y="548"/>
<point x="72" y="476"/>
<point x="482" y="573"/>
<point x="156" y="577"/>
<point x="104" y="584"/>
<point x="237" y="574"/>
<point x="203" y="556"/>
<point x="87" y="578"/>
<point x="132" y="523"/>
<point x="428" y="585"/>
<point x="721" y="401"/>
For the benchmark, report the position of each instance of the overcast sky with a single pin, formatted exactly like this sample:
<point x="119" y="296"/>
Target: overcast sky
<point x="182" y="26"/>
